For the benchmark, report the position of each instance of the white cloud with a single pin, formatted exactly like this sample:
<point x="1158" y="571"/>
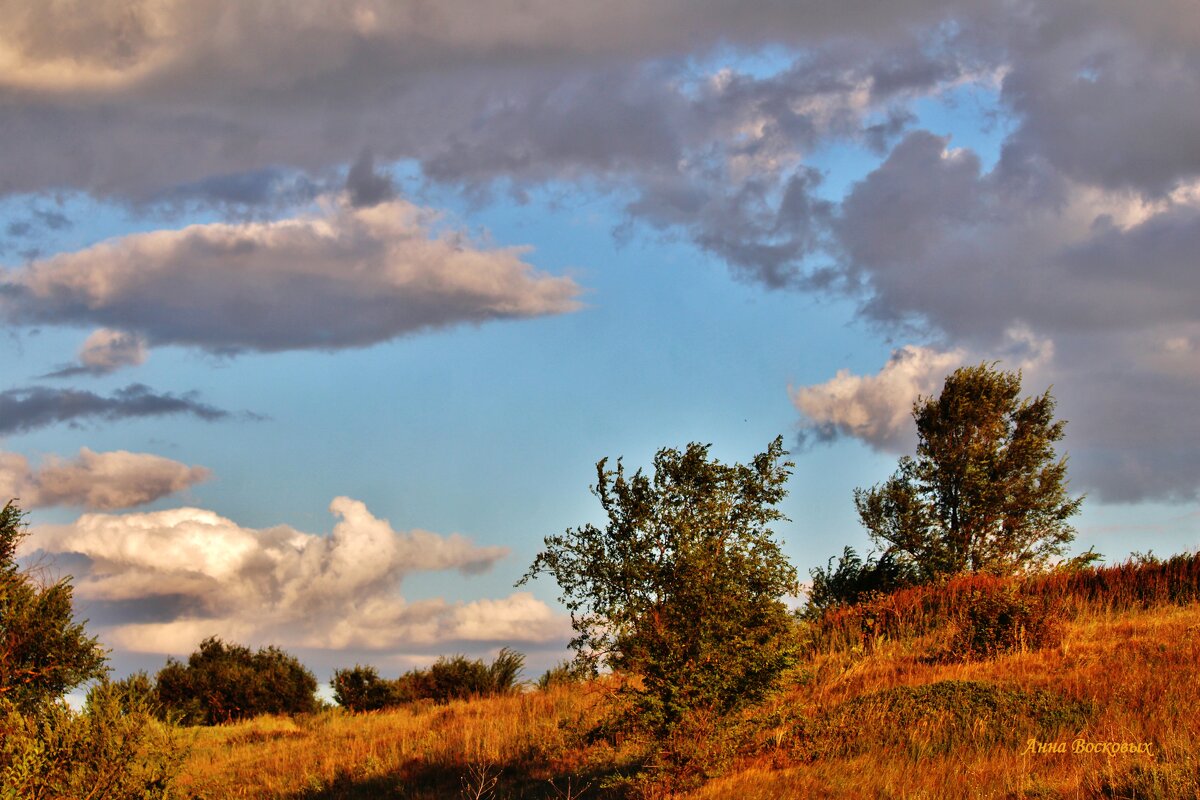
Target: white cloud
<point x="286" y="586"/>
<point x="346" y="277"/>
<point x="876" y="409"/>
<point x="108" y="350"/>
<point x="99" y="481"/>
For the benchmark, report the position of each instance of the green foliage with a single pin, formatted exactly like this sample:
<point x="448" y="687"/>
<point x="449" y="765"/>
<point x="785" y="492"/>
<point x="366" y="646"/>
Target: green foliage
<point x="505" y="671"/>
<point x="561" y="674"/>
<point x="449" y="678"/>
<point x="361" y="689"/>
<point x="107" y="751"/>
<point x="459" y="677"/>
<point x="223" y="682"/>
<point x="44" y="652"/>
<point x="682" y="588"/>
<point x="985" y="492"/>
<point x="853" y="580"/>
<point x="1002" y="619"/>
<point x="111" y="750"/>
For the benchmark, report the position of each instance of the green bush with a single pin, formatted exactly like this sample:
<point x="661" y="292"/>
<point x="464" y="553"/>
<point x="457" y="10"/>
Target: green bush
<point x="361" y="689"/>
<point x="224" y="682"/>
<point x="449" y="678"/>
<point x="108" y="751"/>
<point x="997" y="620"/>
<point x="854" y="579"/>
<point x="114" y="749"/>
<point x="561" y="674"/>
<point x="44" y="652"/>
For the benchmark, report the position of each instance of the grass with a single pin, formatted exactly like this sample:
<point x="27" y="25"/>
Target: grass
<point x="874" y="710"/>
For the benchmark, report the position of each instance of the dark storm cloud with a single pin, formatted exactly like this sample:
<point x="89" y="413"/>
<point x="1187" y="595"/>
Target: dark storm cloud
<point x="365" y="186"/>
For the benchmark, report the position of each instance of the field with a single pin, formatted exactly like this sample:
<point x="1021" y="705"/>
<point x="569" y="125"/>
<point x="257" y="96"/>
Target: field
<point x="872" y="711"/>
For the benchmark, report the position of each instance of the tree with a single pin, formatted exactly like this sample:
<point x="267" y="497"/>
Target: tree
<point x="44" y="652"/>
<point x="683" y="586"/>
<point x="111" y="750"/>
<point x="222" y="682"/>
<point x="986" y="491"/>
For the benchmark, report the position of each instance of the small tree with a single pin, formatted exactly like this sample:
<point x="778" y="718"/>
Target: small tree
<point x="111" y="750"/>
<point x="986" y="491"/>
<point x="683" y="587"/>
<point x="44" y="652"/>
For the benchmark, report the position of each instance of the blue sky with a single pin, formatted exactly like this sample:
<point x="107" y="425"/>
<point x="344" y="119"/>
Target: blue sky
<point x="441" y="267"/>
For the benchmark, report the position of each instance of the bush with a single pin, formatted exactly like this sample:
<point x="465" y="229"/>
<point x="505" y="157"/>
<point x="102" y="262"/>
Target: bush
<point x="113" y="749"/>
<point x="361" y="689"/>
<point x="224" y="682"/>
<point x="1002" y="620"/>
<point x="110" y="750"/>
<point x="449" y="678"/>
<point x="561" y="674"/>
<point x="854" y="579"/>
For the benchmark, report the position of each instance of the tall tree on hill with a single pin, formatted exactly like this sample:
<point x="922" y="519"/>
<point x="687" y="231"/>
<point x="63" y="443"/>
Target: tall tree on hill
<point x="683" y="587"/>
<point x="986" y="491"/>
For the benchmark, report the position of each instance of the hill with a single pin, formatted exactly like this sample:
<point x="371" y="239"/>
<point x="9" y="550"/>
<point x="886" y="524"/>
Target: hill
<point x="886" y="703"/>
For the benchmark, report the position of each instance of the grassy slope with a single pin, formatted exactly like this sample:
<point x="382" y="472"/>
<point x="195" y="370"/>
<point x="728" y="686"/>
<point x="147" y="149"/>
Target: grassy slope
<point x="842" y="729"/>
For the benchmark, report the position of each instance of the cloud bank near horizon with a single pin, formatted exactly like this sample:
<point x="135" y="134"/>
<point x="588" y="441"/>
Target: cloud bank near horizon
<point x="210" y="576"/>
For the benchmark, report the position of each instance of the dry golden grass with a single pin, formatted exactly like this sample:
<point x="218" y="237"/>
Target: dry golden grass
<point x="880" y="719"/>
<point x="417" y="751"/>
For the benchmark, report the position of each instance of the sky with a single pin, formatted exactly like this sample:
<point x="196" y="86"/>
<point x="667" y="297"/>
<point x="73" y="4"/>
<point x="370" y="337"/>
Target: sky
<point x="319" y="315"/>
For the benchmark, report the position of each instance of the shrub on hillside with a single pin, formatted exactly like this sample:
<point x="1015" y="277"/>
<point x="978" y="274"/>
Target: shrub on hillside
<point x="449" y="678"/>
<point x="361" y="689"/>
<point x="1002" y="619"/>
<point x="854" y="579"/>
<point x="561" y="674"/>
<point x="223" y="682"/>
<point x="113" y="749"/>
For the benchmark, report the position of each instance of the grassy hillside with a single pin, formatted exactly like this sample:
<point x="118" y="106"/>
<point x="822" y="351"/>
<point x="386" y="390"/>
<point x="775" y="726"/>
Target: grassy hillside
<point x="878" y="708"/>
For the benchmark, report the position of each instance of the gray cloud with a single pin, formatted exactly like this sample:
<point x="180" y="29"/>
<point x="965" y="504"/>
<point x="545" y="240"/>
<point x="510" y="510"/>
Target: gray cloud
<point x="343" y="278"/>
<point x="99" y="481"/>
<point x="28" y="408"/>
<point x="364" y="186"/>
<point x="282" y="585"/>
<point x="1082" y="233"/>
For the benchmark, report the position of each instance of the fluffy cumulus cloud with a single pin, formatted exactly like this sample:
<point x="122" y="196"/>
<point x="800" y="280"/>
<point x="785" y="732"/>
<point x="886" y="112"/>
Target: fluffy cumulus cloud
<point x="99" y="481"/>
<point x="876" y="409"/>
<point x="335" y="591"/>
<point x="346" y="277"/>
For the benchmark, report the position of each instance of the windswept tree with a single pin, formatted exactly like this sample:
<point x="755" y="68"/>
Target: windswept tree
<point x="986" y="491"/>
<point x="683" y="587"/>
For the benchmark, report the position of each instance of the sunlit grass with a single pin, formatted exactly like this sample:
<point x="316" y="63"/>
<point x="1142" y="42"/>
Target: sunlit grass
<point x="859" y="717"/>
